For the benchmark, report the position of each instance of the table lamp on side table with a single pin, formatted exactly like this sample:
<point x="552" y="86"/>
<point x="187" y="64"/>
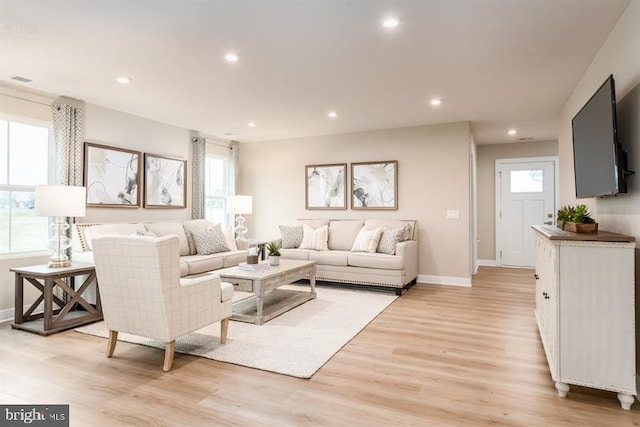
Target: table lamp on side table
<point x="240" y="205"/>
<point x="60" y="201"/>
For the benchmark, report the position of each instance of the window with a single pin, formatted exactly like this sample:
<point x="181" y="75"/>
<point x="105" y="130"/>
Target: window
<point x="216" y="189"/>
<point x="24" y="163"/>
<point x="526" y="181"/>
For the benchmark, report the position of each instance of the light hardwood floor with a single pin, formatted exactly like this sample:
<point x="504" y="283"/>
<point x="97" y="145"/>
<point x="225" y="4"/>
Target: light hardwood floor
<point x="438" y="356"/>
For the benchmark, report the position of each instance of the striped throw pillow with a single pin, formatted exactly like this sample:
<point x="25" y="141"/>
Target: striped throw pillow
<point x="315" y="239"/>
<point x="367" y="240"/>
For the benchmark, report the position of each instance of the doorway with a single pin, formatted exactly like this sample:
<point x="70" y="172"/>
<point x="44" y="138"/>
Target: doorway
<point x="526" y="195"/>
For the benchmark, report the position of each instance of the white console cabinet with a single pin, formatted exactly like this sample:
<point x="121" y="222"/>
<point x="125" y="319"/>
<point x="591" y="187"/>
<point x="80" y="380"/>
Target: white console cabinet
<point x="585" y="309"/>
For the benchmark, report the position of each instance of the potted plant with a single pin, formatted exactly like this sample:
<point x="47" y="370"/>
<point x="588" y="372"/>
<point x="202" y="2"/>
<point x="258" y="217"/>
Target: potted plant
<point x="273" y="250"/>
<point x="577" y="219"/>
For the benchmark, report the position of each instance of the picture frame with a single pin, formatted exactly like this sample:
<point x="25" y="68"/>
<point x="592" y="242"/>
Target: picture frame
<point x="165" y="181"/>
<point x="112" y="176"/>
<point x="374" y="185"/>
<point x="326" y="186"/>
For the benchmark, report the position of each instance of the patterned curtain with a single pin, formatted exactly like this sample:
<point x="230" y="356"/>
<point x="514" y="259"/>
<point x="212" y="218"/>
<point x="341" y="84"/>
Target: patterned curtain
<point x="68" y="136"/>
<point x="198" y="176"/>
<point x="234" y="166"/>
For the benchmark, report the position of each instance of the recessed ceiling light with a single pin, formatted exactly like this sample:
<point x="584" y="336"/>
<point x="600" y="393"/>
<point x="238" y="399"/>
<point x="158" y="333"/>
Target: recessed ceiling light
<point x="124" y="80"/>
<point x="231" y="57"/>
<point x="390" y="22"/>
<point x="251" y="124"/>
<point x="512" y="132"/>
<point x="435" y="102"/>
<point x="228" y="133"/>
<point x="332" y="114"/>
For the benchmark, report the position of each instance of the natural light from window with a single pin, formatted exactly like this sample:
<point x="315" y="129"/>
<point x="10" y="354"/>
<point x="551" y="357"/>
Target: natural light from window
<point x="526" y="181"/>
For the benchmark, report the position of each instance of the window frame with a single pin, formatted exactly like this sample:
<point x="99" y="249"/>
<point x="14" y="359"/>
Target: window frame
<point x="227" y="220"/>
<point x="27" y="188"/>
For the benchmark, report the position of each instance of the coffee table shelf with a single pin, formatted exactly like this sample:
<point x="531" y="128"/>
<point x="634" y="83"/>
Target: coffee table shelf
<point x="269" y="300"/>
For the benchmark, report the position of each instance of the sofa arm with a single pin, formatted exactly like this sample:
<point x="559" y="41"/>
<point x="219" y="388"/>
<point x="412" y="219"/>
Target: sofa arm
<point x="408" y="250"/>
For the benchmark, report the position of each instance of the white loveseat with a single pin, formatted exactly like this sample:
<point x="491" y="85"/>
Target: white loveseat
<point x="191" y="262"/>
<point x="395" y="265"/>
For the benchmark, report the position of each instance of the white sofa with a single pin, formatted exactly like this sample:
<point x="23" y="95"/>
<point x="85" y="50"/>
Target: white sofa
<point x="339" y="261"/>
<point x="190" y="261"/>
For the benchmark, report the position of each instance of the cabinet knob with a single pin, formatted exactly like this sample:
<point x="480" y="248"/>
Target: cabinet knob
<point x="536" y="276"/>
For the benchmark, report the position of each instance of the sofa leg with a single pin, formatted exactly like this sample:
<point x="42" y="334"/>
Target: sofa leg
<point x="169" y="351"/>
<point x="224" y="329"/>
<point x="400" y="291"/>
<point x="111" y="344"/>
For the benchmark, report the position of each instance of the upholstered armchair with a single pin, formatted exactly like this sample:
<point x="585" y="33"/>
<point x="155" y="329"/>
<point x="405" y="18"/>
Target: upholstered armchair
<point x="142" y="293"/>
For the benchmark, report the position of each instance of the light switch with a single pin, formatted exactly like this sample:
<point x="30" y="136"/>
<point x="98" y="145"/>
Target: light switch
<point x="453" y="214"/>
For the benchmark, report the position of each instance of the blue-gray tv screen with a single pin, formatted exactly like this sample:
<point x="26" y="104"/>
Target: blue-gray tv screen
<point x="597" y="155"/>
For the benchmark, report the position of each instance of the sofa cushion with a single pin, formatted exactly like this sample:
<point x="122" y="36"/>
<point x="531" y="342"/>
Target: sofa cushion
<point x="209" y="241"/>
<point x="314" y="239"/>
<point x="390" y="238"/>
<point x="195" y="224"/>
<point x="302" y="254"/>
<point x="233" y="258"/>
<point x="291" y="236"/>
<point x="166" y="228"/>
<point x="313" y="223"/>
<point x="330" y="257"/>
<point x="342" y="233"/>
<point x="367" y="240"/>
<point x="409" y="224"/>
<point x="381" y="261"/>
<point x="202" y="263"/>
<point x="104" y="229"/>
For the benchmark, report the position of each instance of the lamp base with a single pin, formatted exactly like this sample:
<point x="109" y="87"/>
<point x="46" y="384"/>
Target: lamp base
<point x="59" y="264"/>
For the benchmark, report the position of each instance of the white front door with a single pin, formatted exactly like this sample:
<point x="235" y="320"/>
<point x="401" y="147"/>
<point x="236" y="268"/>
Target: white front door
<point x="526" y="191"/>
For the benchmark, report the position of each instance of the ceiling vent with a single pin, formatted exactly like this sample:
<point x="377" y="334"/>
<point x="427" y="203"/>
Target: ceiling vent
<point x="525" y="138"/>
<point x="21" y="79"/>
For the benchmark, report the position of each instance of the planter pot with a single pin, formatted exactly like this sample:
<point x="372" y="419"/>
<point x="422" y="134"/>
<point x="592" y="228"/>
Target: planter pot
<point x="581" y="228"/>
<point x="274" y="260"/>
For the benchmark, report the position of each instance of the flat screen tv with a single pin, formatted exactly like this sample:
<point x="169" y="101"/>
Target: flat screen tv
<point x="599" y="160"/>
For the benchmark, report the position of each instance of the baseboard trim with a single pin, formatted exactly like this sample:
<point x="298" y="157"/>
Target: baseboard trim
<point x="7" y="315"/>
<point x="444" y="280"/>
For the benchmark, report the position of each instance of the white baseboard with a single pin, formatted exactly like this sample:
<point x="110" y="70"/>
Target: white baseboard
<point x="444" y="280"/>
<point x="7" y="315"/>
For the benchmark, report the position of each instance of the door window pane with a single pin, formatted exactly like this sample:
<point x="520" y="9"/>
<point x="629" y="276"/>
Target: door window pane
<point x="526" y="181"/>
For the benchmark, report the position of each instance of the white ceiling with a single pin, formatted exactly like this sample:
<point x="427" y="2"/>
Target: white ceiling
<point x="496" y="63"/>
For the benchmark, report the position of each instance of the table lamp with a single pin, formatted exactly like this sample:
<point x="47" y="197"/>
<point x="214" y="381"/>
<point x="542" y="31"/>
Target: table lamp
<point x="60" y="201"/>
<point x="240" y="205"/>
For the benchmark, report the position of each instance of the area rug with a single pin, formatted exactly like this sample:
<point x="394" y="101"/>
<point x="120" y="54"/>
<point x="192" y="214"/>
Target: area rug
<point x="296" y="343"/>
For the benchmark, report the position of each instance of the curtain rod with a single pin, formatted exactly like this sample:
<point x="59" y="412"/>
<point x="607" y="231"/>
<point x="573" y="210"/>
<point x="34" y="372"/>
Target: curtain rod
<point x="213" y="143"/>
<point x="25" y="99"/>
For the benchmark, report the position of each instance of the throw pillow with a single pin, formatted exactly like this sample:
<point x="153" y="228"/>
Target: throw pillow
<point x="291" y="236"/>
<point x="231" y="241"/>
<point x="390" y="238"/>
<point x="209" y="241"/>
<point x="315" y="239"/>
<point x="367" y="240"/>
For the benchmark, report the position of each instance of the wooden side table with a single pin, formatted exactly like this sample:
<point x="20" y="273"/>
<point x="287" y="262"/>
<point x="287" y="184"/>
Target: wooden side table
<point x="67" y="315"/>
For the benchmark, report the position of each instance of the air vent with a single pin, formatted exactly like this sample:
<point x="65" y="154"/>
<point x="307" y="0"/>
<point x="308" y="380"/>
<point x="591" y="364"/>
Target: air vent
<point x="525" y="138"/>
<point x="21" y="79"/>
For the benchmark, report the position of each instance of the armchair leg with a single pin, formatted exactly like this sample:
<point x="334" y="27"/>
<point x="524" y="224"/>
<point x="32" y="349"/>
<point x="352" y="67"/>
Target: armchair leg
<point x="169" y="350"/>
<point x="111" y="344"/>
<point x="224" y="329"/>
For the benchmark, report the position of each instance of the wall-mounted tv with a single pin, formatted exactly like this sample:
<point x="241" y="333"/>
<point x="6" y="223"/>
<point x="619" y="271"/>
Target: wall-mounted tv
<point x="599" y="159"/>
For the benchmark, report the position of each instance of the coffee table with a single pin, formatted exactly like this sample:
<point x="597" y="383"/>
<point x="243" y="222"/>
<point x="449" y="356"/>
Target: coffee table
<point x="269" y="301"/>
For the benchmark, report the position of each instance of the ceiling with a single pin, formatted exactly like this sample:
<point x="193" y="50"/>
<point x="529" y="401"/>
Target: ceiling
<point x="498" y="64"/>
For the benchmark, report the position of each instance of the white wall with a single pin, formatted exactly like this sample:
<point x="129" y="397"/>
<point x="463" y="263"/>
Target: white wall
<point x="433" y="176"/>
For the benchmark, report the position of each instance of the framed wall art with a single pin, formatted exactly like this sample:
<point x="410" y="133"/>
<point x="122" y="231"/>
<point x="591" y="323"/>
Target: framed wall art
<point x="165" y="182"/>
<point x="112" y="176"/>
<point x="326" y="186"/>
<point x="374" y="185"/>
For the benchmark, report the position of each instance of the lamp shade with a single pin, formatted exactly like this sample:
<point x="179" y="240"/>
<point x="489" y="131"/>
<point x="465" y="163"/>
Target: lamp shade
<point x="60" y="200"/>
<point x="240" y="204"/>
